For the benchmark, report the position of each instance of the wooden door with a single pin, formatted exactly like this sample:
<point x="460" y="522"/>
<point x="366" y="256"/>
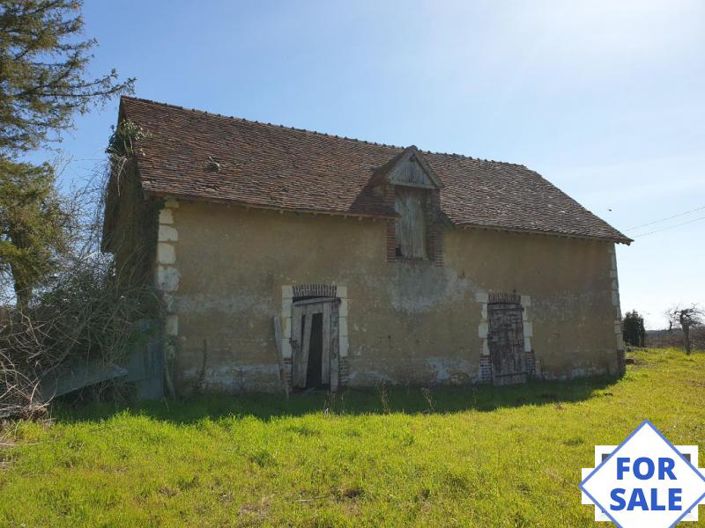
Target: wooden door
<point x="506" y="343"/>
<point x="314" y="341"/>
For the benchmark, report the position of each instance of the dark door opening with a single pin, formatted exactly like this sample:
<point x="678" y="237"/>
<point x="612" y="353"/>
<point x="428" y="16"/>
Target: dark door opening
<point x="314" y="371"/>
<point x="315" y="344"/>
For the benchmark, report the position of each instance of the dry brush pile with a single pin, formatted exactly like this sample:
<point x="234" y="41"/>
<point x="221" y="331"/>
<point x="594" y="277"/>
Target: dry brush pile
<point x="87" y="315"/>
<point x="81" y="312"/>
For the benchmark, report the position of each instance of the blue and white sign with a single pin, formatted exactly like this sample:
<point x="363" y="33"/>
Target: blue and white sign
<point x="645" y="482"/>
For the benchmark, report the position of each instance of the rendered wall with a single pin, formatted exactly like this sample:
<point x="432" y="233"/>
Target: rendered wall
<point x="130" y="228"/>
<point x="407" y="322"/>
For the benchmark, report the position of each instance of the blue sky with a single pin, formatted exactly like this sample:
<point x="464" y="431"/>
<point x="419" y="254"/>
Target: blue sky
<point x="604" y="98"/>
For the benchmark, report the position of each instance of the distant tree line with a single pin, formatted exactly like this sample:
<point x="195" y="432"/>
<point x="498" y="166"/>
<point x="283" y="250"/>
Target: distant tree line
<point x="686" y="318"/>
<point x="685" y="323"/>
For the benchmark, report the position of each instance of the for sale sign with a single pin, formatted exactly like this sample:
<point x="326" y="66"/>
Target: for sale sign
<point x="645" y="482"/>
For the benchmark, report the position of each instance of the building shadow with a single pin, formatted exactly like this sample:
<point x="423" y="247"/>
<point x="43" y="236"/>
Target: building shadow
<point x="411" y="400"/>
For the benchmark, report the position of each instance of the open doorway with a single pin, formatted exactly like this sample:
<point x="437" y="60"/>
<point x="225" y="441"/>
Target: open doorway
<point x="314" y="370"/>
<point x="314" y="343"/>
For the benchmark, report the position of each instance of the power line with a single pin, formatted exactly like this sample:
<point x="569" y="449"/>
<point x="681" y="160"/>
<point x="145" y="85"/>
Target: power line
<point x="667" y="218"/>
<point x="670" y="227"/>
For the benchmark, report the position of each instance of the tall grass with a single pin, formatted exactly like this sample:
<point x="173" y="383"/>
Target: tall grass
<point x="396" y="456"/>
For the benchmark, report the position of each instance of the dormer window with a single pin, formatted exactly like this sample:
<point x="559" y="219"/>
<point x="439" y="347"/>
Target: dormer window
<point x="413" y="189"/>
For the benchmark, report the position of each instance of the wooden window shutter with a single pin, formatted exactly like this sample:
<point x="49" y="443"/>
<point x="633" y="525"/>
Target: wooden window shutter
<point x="411" y="224"/>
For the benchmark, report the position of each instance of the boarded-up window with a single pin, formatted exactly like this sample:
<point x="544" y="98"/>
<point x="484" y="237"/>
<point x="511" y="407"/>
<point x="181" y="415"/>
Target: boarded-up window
<point x="411" y="224"/>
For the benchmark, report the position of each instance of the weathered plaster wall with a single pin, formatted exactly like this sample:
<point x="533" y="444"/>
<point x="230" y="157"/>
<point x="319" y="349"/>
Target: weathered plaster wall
<point x="407" y="323"/>
<point x="130" y="231"/>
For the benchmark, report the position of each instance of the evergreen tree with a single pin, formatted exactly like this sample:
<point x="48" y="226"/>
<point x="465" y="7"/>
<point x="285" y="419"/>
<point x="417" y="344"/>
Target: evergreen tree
<point x="43" y="72"/>
<point x="633" y="329"/>
<point x="43" y="84"/>
<point x="32" y="226"/>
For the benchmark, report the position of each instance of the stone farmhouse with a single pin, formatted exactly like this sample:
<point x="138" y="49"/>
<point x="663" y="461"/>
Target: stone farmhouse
<point x="291" y="259"/>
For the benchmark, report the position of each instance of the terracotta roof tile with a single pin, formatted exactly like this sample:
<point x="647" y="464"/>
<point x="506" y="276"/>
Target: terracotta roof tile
<point x="266" y="165"/>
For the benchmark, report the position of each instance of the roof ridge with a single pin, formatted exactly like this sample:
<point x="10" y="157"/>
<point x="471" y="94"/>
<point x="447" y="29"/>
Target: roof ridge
<point x="262" y="123"/>
<point x="315" y="132"/>
<point x="465" y="156"/>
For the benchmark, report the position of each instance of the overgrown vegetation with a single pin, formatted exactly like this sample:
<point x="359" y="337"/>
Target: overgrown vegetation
<point x="121" y="145"/>
<point x="483" y="456"/>
<point x="44" y="82"/>
<point x="34" y="227"/>
<point x="86" y="317"/>
<point x="73" y="310"/>
<point x="633" y="329"/>
<point x="122" y="140"/>
<point x="57" y="298"/>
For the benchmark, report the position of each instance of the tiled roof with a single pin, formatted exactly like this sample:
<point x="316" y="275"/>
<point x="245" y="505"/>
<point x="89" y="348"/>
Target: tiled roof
<point x="265" y="165"/>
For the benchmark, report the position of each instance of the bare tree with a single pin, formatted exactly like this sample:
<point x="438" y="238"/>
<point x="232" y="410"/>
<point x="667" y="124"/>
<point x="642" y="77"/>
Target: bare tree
<point x="685" y="318"/>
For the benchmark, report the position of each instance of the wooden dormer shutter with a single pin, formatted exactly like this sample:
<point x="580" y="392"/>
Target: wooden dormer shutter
<point x="410" y="204"/>
<point x="410" y="185"/>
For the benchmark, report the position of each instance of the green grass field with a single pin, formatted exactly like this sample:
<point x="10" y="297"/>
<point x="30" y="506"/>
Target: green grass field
<point x="392" y="457"/>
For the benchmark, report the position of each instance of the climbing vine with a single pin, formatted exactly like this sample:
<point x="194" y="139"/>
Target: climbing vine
<point x="121" y="142"/>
